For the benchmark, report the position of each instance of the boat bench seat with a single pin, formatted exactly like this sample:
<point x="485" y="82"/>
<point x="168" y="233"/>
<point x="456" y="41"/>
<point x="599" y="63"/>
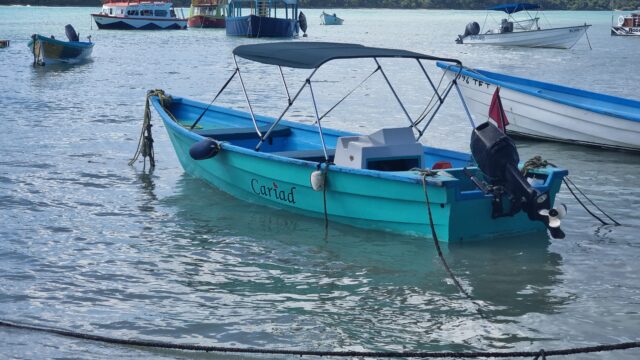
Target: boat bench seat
<point x="315" y="155"/>
<point x="228" y="134"/>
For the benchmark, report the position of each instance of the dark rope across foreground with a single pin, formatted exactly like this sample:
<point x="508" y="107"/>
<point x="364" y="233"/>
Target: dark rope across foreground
<point x="380" y="354"/>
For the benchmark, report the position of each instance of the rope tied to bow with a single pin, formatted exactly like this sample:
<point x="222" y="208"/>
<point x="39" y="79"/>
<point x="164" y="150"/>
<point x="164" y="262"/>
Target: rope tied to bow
<point x="145" y="143"/>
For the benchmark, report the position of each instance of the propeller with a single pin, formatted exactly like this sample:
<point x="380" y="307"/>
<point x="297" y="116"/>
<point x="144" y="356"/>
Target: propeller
<point x="554" y="217"/>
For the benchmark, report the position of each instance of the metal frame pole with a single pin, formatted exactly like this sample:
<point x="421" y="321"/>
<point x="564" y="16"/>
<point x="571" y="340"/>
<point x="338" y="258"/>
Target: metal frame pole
<point x="275" y="123"/>
<point x="430" y="82"/>
<point x="394" y="92"/>
<point x="246" y="96"/>
<point x="421" y="132"/>
<point x="315" y="107"/>
<point x="285" y="85"/>
<point x="464" y="103"/>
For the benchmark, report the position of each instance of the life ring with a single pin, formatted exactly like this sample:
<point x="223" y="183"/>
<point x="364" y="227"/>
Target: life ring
<point x="620" y="20"/>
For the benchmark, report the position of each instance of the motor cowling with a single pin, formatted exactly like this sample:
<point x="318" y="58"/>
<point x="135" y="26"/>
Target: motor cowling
<point x="497" y="158"/>
<point x="71" y="33"/>
<point x="302" y="22"/>
<point x="472" y="28"/>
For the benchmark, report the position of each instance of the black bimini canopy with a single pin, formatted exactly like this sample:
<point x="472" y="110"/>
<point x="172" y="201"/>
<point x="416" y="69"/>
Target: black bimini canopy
<point x="311" y="55"/>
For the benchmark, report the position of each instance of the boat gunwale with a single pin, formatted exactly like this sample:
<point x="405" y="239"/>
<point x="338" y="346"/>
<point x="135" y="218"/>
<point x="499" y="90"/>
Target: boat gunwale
<point x="517" y="84"/>
<point x="75" y="44"/>
<point x="529" y="31"/>
<point x="409" y="176"/>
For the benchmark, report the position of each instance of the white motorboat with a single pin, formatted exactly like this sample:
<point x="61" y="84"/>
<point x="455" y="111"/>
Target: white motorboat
<point x="138" y="15"/>
<point x="522" y="32"/>
<point x="552" y="112"/>
<point x="628" y="25"/>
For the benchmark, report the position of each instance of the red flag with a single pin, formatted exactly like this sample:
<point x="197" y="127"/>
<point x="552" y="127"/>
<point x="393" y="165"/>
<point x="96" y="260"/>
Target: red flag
<point x="496" y="111"/>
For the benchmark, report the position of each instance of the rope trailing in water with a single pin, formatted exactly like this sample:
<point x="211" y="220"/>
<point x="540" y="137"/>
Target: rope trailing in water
<point x="537" y="162"/>
<point x="378" y="354"/>
<point x="145" y="144"/>
<point x="425" y="173"/>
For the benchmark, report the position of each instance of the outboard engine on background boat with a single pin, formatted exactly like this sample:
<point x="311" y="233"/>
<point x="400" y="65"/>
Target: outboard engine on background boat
<point x="71" y="33"/>
<point x="497" y="157"/>
<point x="302" y="22"/>
<point x="472" y="28"/>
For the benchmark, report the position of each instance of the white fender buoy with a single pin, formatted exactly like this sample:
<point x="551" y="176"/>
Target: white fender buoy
<point x="317" y="180"/>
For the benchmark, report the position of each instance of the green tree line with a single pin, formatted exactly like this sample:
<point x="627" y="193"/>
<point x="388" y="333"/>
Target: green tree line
<point x="401" y="4"/>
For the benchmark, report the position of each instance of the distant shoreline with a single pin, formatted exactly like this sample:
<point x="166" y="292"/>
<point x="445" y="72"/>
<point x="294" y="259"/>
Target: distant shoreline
<point x="566" y="5"/>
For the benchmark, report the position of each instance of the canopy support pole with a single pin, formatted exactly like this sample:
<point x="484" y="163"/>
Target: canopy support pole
<point x="430" y="82"/>
<point x="246" y="96"/>
<point x="275" y="123"/>
<point x="214" y="99"/>
<point x="446" y="94"/>
<point x="464" y="103"/>
<point x="285" y="85"/>
<point x="315" y="107"/>
<point x="394" y="92"/>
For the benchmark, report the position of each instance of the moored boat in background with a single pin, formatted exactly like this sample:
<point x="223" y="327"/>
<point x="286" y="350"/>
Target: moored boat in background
<point x="628" y="25"/>
<point x="138" y="15"/>
<point x="330" y="19"/>
<point x="207" y="14"/>
<point x="524" y="32"/>
<point x="386" y="181"/>
<point x="263" y="20"/>
<point x="4" y="43"/>
<point x="552" y="112"/>
<point x="48" y="50"/>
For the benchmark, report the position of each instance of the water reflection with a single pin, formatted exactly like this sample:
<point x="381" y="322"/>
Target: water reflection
<point x="511" y="276"/>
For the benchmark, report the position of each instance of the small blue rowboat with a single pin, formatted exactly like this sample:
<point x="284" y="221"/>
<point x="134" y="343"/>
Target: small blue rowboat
<point x="47" y="50"/>
<point x="386" y="180"/>
<point x="330" y="19"/>
<point x="553" y="112"/>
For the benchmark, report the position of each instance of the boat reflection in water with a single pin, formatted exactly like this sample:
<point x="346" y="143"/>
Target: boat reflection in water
<point x="508" y="277"/>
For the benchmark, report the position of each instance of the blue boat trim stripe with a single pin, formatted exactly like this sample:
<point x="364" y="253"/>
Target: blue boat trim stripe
<point x="523" y="85"/>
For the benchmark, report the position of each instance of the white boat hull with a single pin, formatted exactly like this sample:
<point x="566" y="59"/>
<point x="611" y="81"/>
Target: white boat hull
<point x="625" y="31"/>
<point x="537" y="117"/>
<point x="130" y="23"/>
<point x="559" y="38"/>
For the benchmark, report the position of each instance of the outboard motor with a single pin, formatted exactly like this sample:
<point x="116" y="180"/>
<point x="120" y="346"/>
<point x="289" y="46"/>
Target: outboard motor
<point x="302" y="21"/>
<point x="71" y="33"/>
<point x="497" y="158"/>
<point x="472" y="28"/>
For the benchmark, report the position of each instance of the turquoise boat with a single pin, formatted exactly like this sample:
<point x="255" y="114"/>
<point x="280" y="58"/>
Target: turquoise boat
<point x="48" y="50"/>
<point x="374" y="181"/>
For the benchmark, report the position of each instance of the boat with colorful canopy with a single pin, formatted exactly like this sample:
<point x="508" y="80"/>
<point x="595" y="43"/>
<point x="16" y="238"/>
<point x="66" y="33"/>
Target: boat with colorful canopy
<point x="263" y="20"/>
<point x="387" y="180"/>
<point x="207" y="14"/>
<point x="628" y="25"/>
<point x="523" y="31"/>
<point x="138" y="15"/>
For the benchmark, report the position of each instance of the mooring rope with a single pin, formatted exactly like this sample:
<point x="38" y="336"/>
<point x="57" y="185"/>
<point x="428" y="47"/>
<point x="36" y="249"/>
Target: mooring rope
<point x="425" y="173"/>
<point x="537" y="162"/>
<point x="145" y="143"/>
<point x="378" y="354"/>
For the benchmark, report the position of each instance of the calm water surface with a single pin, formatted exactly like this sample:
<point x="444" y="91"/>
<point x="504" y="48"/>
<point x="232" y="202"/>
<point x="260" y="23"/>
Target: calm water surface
<point x="91" y="244"/>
